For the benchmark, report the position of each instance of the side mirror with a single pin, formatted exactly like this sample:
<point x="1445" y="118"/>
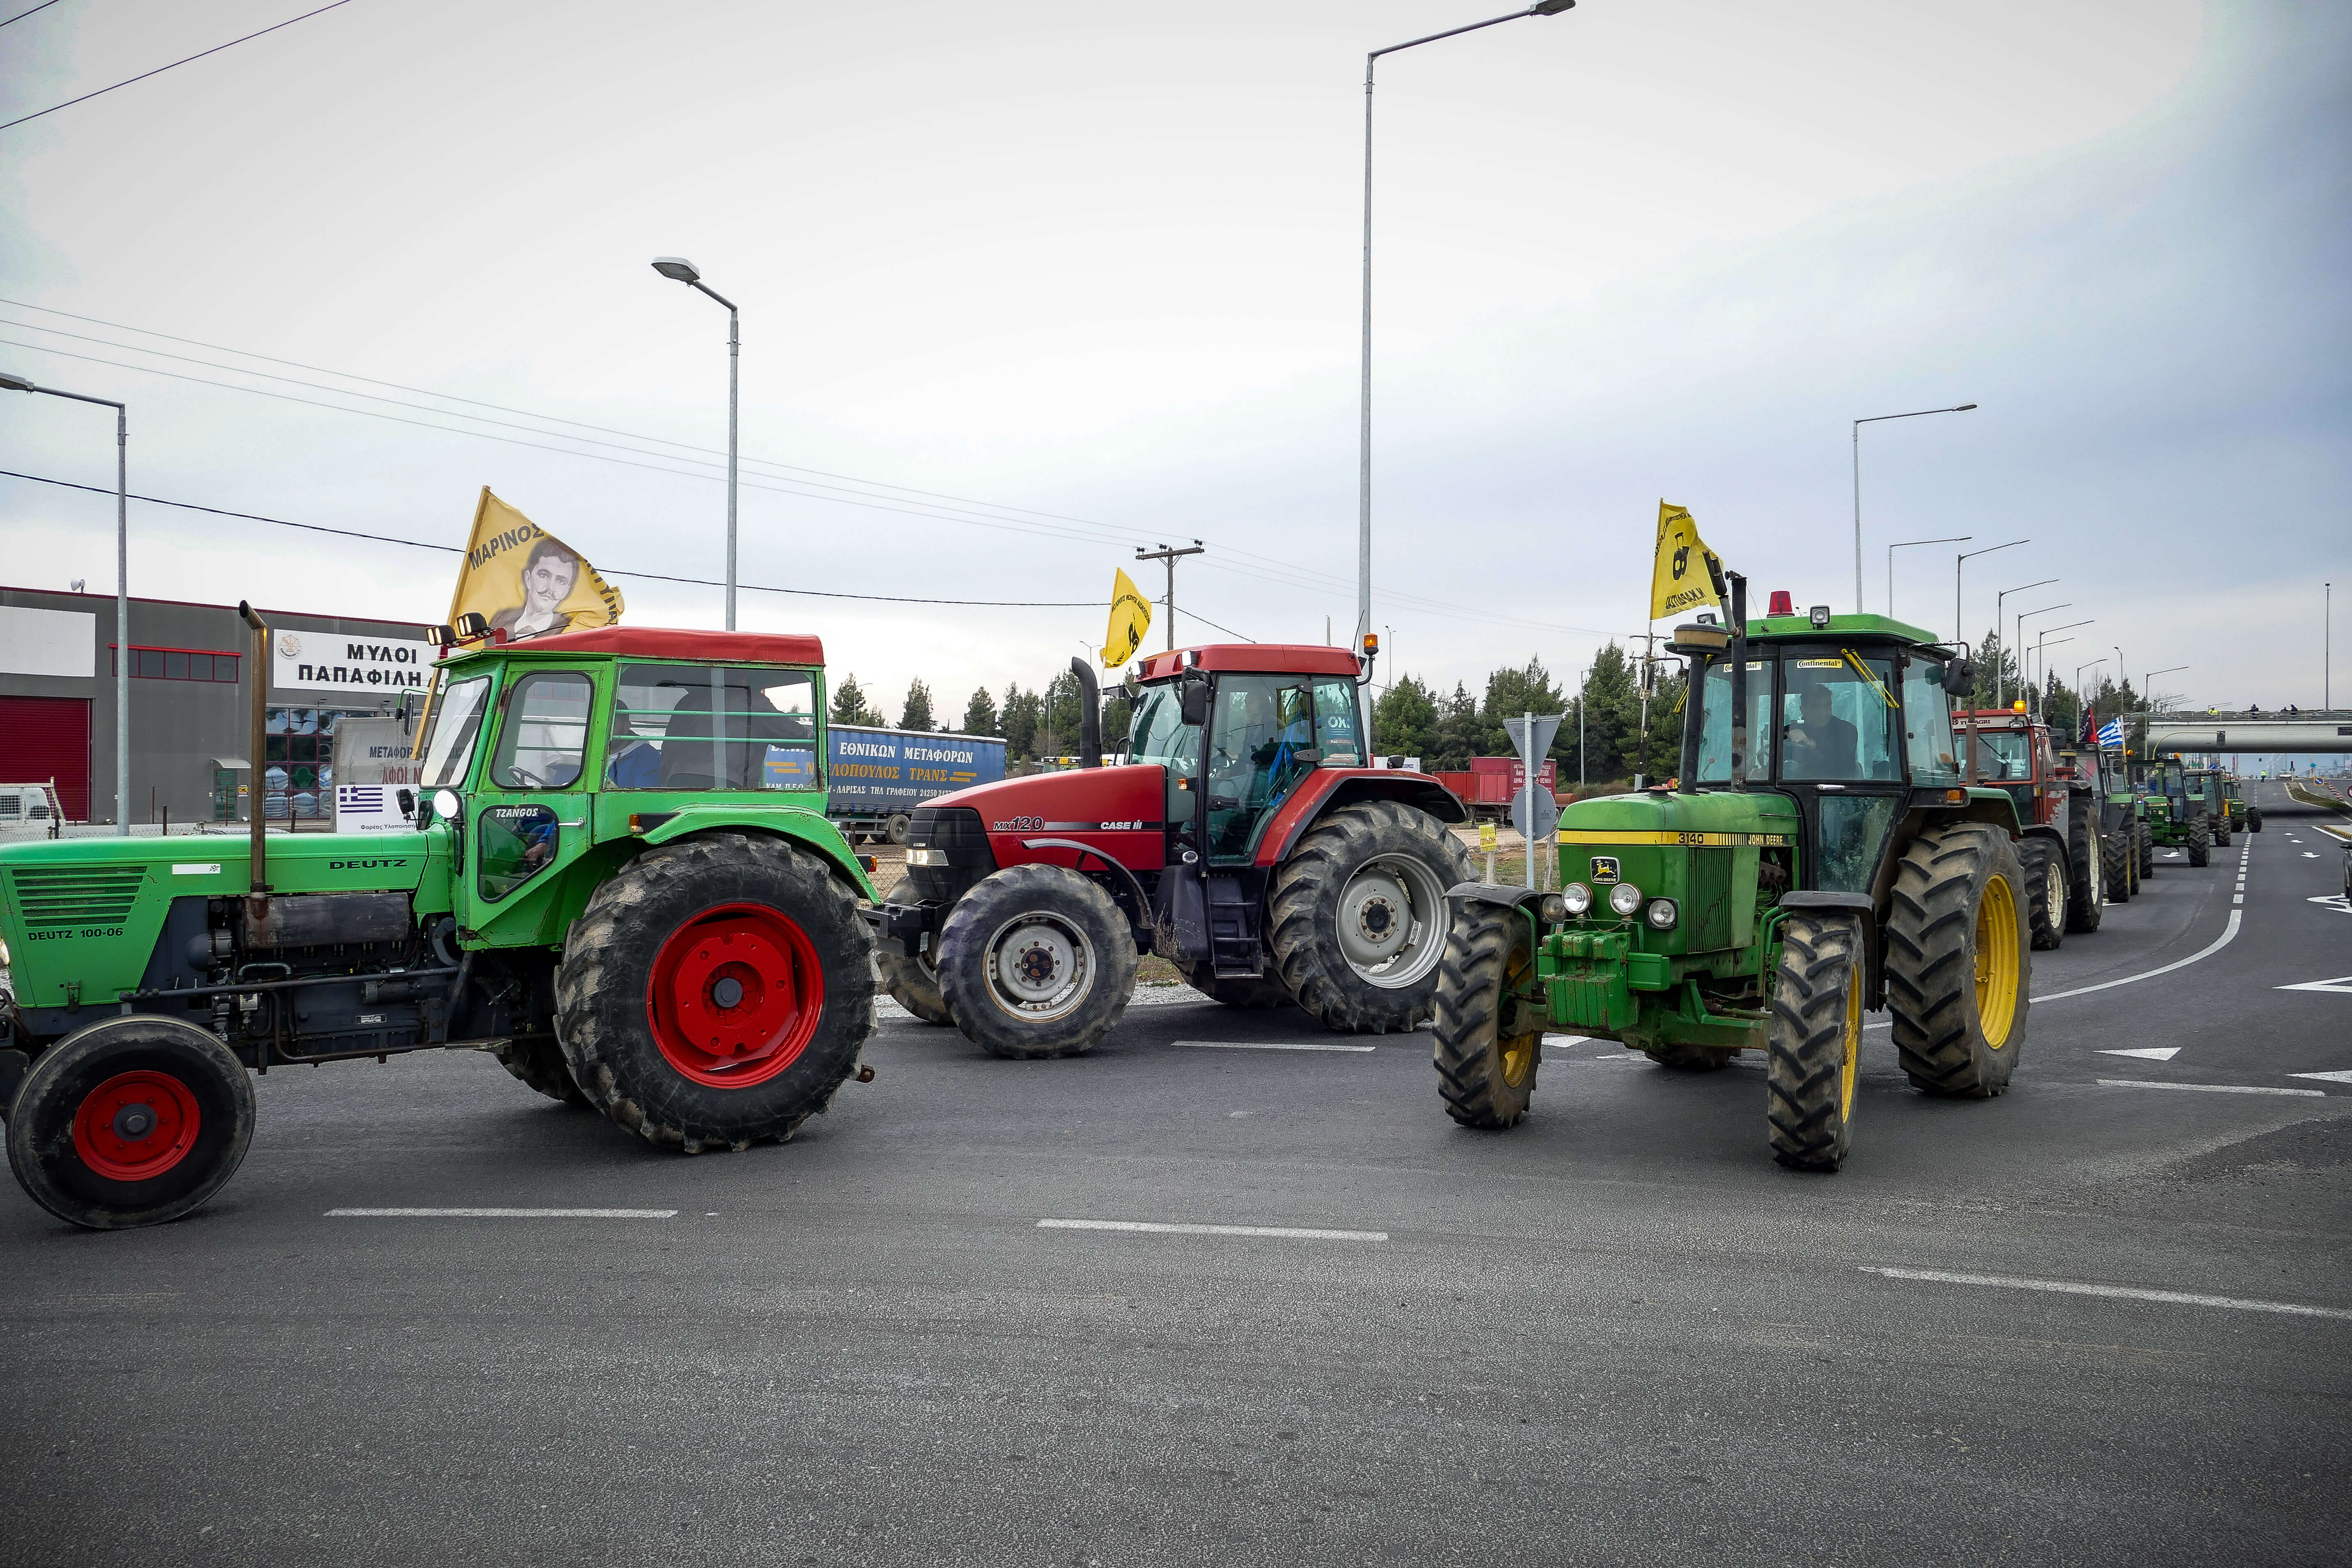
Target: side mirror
<point x="1194" y="697"/>
<point x="407" y="799"/>
<point x="448" y="804"/>
<point x="1960" y="676"/>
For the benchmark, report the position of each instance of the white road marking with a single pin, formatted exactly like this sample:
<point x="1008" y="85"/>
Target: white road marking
<point x="2123" y="1292"/>
<point x="2208" y="1087"/>
<point x="2228" y="936"/>
<point x="2344" y="985"/>
<point x="2145" y="1053"/>
<point x="2311" y="854"/>
<point x="502" y="1213"/>
<point x="2325" y="1077"/>
<point x="1270" y="1046"/>
<point x="1280" y="1232"/>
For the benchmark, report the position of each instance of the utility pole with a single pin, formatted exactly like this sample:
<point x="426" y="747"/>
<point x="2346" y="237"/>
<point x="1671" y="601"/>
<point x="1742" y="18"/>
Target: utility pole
<point x="1168" y="557"/>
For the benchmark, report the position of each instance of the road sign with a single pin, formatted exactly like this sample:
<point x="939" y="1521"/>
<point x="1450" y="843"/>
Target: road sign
<point x="1534" y="812"/>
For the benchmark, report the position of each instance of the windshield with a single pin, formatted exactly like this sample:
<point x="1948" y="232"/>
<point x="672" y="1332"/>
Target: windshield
<point x="449" y="737"/>
<point x="2005" y="754"/>
<point x="1159" y="733"/>
<point x="1714" y="720"/>
<point x="1837" y="718"/>
<point x="1928" y="723"/>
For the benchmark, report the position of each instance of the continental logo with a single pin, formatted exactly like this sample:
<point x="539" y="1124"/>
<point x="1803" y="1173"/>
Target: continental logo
<point x="1694" y="840"/>
<point x="365" y="865"/>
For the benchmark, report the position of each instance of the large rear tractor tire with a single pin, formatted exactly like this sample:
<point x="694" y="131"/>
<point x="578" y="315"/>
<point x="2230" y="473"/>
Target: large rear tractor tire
<point x="1243" y="991"/>
<point x="2086" y="891"/>
<point x="1813" y="1049"/>
<point x="2200" y="843"/>
<point x="538" y="1063"/>
<point x="1357" y="916"/>
<point x="912" y="982"/>
<point x="2045" y="882"/>
<point x="1036" y="960"/>
<point x="2114" y="867"/>
<point x="1487" y="1043"/>
<point x="2253" y="819"/>
<point x="135" y="1121"/>
<point x="716" y="991"/>
<point x="1959" y="964"/>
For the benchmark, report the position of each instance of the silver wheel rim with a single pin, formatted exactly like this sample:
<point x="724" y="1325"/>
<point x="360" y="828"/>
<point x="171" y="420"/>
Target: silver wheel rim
<point x="2054" y="895"/>
<point x="1392" y="921"/>
<point x="1040" y="967"/>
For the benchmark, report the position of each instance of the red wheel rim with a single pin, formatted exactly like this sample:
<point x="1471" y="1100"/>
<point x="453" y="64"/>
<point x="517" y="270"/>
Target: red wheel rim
<point x="136" y="1126"/>
<point x="735" y="995"/>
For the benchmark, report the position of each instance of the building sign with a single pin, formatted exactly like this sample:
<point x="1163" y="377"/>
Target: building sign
<point x="343" y="661"/>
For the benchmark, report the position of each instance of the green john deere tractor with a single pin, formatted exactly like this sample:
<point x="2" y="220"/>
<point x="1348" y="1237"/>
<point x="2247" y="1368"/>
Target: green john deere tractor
<point x="617" y="876"/>
<point x="2233" y="799"/>
<point x="1821" y="855"/>
<point x="2180" y="812"/>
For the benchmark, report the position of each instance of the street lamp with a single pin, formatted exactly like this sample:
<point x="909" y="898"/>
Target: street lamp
<point x="2040" y="660"/>
<point x="2146" y="687"/>
<point x="1999" y="682"/>
<point x="121" y="596"/>
<point x="1364" y="401"/>
<point x="2023" y="617"/>
<point x="1959" y="630"/>
<point x="684" y="271"/>
<point x="1873" y="419"/>
<point x="1905" y="545"/>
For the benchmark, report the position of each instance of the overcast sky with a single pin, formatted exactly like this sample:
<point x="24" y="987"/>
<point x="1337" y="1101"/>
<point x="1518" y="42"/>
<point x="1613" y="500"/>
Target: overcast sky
<point x="1096" y="268"/>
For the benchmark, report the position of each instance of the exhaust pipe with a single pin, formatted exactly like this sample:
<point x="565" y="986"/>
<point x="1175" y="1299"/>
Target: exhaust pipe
<point x="1089" y="714"/>
<point x="256" y="792"/>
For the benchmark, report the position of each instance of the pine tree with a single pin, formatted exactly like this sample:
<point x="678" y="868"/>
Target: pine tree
<point x="916" y="714"/>
<point x="1018" y="718"/>
<point x="849" y="705"/>
<point x="1455" y="738"/>
<point x="980" y="714"/>
<point x="1404" y="719"/>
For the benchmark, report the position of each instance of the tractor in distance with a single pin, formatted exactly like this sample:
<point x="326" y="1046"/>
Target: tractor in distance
<point x="620" y="880"/>
<point x="2177" y="815"/>
<point x="1245" y="841"/>
<point x="2072" y="866"/>
<point x="2233" y="798"/>
<point x="1821" y="855"/>
<point x="2127" y="804"/>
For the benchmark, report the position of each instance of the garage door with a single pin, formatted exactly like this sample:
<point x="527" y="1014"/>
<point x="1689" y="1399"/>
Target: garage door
<point x="45" y="738"/>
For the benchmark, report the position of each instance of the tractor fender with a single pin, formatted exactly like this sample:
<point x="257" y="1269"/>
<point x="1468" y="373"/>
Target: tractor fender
<point x="1327" y="790"/>
<point x="808" y="828"/>
<point x="1508" y="898"/>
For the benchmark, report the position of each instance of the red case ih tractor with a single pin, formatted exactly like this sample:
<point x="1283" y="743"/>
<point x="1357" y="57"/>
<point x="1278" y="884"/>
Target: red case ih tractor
<point x="1243" y="843"/>
<point x="2073" y="864"/>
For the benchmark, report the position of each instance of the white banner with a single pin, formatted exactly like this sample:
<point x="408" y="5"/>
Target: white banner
<point x="339" y="661"/>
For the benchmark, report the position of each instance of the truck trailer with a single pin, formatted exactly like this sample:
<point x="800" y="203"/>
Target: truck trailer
<point x="875" y="778"/>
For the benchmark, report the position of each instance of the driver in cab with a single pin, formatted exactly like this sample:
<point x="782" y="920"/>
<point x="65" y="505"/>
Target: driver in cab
<point x="1820" y="745"/>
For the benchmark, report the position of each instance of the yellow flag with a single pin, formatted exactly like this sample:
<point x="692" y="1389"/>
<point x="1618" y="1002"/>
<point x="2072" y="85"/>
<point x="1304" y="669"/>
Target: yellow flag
<point x="1131" y="618"/>
<point x="525" y="580"/>
<point x="1680" y="579"/>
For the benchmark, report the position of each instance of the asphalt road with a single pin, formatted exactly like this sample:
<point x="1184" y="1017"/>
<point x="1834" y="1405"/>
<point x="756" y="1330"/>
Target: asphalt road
<point x="1618" y="1334"/>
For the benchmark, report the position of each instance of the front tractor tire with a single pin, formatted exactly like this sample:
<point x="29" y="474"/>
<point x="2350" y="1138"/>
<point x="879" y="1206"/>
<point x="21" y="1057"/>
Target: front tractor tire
<point x="716" y="991"/>
<point x="1813" y="1049"/>
<point x="2045" y="882"/>
<point x="2200" y="843"/>
<point x="2115" y="867"/>
<point x="1488" y="1042"/>
<point x="1959" y="964"/>
<point x="912" y="982"/>
<point x="135" y="1121"/>
<point x="1036" y="960"/>
<point x="2253" y="819"/>
<point x="2147" y="838"/>
<point x="2086" y="891"/>
<point x="1357" y="916"/>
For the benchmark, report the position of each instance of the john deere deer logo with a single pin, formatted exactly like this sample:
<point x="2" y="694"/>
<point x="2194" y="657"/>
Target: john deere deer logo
<point x="1682" y="561"/>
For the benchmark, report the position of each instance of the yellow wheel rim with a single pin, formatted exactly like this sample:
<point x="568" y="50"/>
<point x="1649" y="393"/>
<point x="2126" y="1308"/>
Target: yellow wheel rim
<point x="1518" y="1051"/>
<point x="1850" y="1069"/>
<point x="1996" y="963"/>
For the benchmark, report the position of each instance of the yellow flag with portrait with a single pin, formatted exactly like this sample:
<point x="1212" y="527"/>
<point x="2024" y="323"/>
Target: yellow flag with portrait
<point x="1130" y="619"/>
<point x="1683" y="575"/>
<point x="526" y="582"/>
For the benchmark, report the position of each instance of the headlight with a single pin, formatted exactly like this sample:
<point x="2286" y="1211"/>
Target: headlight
<point x="1624" y="898"/>
<point x="1663" y="914"/>
<point x="1554" y="909"/>
<point x="4" y="952"/>
<point x="1576" y="897"/>
<point x="926" y="858"/>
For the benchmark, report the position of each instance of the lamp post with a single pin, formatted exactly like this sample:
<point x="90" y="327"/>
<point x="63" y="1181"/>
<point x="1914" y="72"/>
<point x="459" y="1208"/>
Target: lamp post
<point x="2000" y="684"/>
<point x="121" y="596"/>
<point x="1364" y="401"/>
<point x="2040" y="639"/>
<point x="1961" y="630"/>
<point x="1873" y="419"/>
<point x="686" y="272"/>
<point x="2023" y="617"/>
<point x="2081" y="706"/>
<point x="1905" y="545"/>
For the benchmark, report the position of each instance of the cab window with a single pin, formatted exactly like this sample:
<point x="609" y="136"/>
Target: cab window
<point x="1839" y="717"/>
<point x="1928" y="724"/>
<point x="1261" y="744"/>
<point x="1714" y="720"/>
<point x="546" y="731"/>
<point x="449" y="733"/>
<point x="713" y="727"/>
<point x="2004" y="756"/>
<point x="1335" y="721"/>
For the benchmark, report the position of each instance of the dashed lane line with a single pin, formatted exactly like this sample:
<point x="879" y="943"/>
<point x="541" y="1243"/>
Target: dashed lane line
<point x="2209" y="1088"/>
<point x="2121" y="1292"/>
<point x="500" y="1214"/>
<point x="1153" y="1227"/>
<point x="1270" y="1046"/>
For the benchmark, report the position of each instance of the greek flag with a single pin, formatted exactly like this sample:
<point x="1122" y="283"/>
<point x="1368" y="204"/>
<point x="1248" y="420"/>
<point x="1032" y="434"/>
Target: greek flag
<point x="2111" y="735"/>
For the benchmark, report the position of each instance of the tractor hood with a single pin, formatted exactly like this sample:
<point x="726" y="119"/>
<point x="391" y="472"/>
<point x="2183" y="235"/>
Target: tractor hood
<point x="1074" y="802"/>
<point x="1657" y="818"/>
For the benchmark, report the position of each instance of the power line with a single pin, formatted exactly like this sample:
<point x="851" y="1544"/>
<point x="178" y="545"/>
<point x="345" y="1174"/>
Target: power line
<point x="159" y="70"/>
<point x="20" y="15"/>
<point x="611" y="571"/>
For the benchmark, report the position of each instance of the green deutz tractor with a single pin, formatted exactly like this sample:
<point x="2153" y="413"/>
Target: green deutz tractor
<point x="617" y="876"/>
<point x="1821" y="855"/>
